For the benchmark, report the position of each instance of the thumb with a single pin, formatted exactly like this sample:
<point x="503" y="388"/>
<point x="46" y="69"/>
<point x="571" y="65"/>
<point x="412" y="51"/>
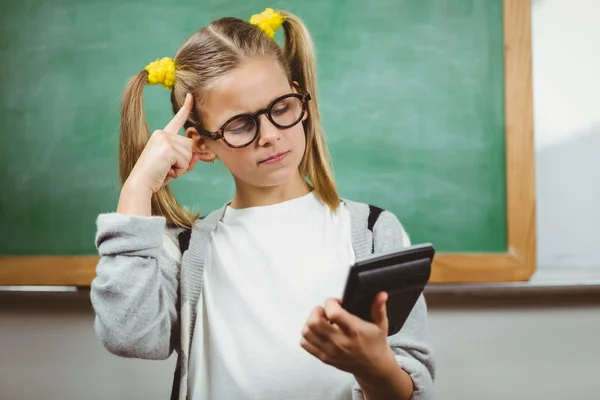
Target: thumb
<point x="379" y="311"/>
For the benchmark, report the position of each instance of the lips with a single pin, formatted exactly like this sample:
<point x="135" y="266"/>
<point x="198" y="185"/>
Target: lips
<point x="275" y="158"/>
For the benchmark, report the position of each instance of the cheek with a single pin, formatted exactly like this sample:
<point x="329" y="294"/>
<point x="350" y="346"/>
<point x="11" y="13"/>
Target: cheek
<point x="236" y="160"/>
<point x="298" y="139"/>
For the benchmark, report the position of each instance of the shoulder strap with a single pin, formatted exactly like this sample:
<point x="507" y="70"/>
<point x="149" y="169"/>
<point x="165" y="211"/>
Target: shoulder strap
<point x="374" y="213"/>
<point x="184" y="240"/>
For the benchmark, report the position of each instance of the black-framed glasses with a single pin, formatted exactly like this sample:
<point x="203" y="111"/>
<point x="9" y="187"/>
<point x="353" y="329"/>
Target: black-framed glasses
<point x="241" y="130"/>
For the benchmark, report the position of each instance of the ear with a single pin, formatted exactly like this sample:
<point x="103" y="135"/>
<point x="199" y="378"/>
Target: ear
<point x="201" y="148"/>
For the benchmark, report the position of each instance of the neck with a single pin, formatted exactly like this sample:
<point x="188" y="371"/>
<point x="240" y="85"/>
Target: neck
<point x="252" y="196"/>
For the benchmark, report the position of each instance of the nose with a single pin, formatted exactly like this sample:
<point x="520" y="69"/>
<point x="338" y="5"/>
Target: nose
<point x="268" y="132"/>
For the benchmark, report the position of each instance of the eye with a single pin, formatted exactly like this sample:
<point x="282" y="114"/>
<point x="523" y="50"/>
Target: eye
<point x="280" y="109"/>
<point x="240" y="126"/>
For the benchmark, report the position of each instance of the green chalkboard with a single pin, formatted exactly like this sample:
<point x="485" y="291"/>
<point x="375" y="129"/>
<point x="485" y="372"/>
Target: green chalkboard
<point x="411" y="92"/>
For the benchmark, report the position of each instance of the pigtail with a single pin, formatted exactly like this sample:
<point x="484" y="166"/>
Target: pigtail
<point x="300" y="54"/>
<point x="134" y="137"/>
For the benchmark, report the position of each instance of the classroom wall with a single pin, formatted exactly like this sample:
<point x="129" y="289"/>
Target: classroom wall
<point x="566" y="88"/>
<point x="48" y="349"/>
<point x="484" y="352"/>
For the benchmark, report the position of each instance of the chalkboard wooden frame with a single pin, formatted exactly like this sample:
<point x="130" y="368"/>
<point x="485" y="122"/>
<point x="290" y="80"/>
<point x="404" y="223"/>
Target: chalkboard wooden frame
<point x="516" y="264"/>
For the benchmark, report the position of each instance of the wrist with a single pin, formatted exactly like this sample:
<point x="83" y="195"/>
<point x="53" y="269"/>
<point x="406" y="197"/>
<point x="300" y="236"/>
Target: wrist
<point x="136" y="186"/>
<point x="386" y="380"/>
<point x="381" y="371"/>
<point x="135" y="198"/>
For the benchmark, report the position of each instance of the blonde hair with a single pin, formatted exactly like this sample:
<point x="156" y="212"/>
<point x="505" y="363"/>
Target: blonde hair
<point x="208" y="55"/>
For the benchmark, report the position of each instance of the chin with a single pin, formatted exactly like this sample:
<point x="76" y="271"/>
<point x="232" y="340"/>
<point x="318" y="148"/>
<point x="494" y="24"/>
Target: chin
<point x="278" y="177"/>
<point x="272" y="177"/>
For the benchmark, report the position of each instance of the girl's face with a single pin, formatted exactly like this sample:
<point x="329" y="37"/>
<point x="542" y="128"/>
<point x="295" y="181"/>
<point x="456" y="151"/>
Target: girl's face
<point x="272" y="159"/>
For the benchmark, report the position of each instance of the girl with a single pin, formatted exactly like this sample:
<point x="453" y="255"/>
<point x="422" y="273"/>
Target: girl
<point x="239" y="303"/>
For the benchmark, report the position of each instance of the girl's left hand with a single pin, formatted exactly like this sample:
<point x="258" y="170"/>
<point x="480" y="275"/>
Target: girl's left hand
<point x="347" y="342"/>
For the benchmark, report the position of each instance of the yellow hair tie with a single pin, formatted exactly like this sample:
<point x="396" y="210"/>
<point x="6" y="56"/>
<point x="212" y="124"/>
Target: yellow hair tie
<point x="269" y="21"/>
<point x="161" y="72"/>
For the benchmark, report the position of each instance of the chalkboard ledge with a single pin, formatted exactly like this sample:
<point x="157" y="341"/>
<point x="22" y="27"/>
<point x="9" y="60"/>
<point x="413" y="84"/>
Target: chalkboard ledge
<point x="549" y="285"/>
<point x="546" y="282"/>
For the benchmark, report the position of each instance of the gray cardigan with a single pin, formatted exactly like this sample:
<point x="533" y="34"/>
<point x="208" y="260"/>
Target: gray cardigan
<point x="146" y="302"/>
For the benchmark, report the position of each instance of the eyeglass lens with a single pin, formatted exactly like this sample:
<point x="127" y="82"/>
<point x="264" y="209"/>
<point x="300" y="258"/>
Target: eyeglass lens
<point x="284" y="114"/>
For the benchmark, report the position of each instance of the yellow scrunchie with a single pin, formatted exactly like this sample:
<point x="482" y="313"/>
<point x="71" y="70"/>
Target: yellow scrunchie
<point x="161" y="72"/>
<point x="269" y="21"/>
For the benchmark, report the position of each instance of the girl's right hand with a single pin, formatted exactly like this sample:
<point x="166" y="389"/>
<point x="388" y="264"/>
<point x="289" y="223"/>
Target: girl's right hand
<point x="167" y="155"/>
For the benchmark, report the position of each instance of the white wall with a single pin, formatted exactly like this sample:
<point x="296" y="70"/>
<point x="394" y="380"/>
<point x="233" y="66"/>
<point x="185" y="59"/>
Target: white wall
<point x="517" y="353"/>
<point x="566" y="87"/>
<point x="48" y="349"/>
<point x="520" y="352"/>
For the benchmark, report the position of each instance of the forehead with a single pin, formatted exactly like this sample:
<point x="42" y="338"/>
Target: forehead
<point x="246" y="89"/>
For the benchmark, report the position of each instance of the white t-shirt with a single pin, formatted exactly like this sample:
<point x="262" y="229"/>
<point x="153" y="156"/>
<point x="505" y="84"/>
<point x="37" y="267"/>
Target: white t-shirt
<point x="267" y="268"/>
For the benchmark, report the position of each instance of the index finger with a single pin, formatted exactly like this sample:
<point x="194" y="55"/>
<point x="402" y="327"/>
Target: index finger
<point x="182" y="115"/>
<point x="339" y="316"/>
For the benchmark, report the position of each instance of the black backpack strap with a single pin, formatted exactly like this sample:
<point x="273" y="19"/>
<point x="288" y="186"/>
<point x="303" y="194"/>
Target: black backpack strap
<point x="374" y="213"/>
<point x="184" y="240"/>
<point x="176" y="381"/>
